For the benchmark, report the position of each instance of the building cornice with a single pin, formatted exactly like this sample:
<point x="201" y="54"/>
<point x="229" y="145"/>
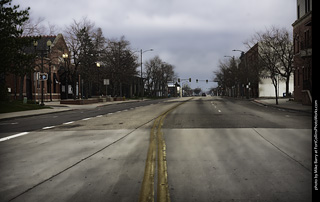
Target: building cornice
<point x="300" y="20"/>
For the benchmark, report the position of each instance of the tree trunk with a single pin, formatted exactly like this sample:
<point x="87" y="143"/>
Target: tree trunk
<point x="276" y="90"/>
<point x="15" y="86"/>
<point x="21" y="87"/>
<point x="287" y="85"/>
<point x="275" y="84"/>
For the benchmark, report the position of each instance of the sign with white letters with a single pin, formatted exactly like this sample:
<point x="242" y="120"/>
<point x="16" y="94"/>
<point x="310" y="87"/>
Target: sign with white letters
<point x="106" y="82"/>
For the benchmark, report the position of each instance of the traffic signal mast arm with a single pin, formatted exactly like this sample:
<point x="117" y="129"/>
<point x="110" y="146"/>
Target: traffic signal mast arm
<point x="179" y="80"/>
<point x="197" y="80"/>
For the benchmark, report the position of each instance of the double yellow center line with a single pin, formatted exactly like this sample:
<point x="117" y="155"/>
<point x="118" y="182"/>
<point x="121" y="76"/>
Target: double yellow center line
<point x="157" y="150"/>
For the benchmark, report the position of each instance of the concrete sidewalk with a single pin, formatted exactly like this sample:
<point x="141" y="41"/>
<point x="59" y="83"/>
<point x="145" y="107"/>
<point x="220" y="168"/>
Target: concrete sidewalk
<point x="56" y="107"/>
<point x="284" y="103"/>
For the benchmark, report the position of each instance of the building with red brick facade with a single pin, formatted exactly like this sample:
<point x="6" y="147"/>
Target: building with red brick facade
<point x="302" y="39"/>
<point x="48" y="59"/>
<point x="256" y="80"/>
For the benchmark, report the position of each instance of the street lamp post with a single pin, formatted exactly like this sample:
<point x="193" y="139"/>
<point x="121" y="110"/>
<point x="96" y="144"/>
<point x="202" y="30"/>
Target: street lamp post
<point x="65" y="58"/>
<point x="235" y="89"/>
<point x="141" y="82"/>
<point x="98" y="66"/>
<point x="42" y="54"/>
<point x="245" y="66"/>
<point x="49" y="79"/>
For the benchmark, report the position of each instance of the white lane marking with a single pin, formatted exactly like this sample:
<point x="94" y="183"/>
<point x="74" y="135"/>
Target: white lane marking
<point x="48" y="127"/>
<point x="13" y="136"/>
<point x="117" y="111"/>
<point x="86" y="119"/>
<point x="219" y="111"/>
<point x="109" y="113"/>
<point x="99" y="116"/>
<point x="14" y="123"/>
<point x="68" y="123"/>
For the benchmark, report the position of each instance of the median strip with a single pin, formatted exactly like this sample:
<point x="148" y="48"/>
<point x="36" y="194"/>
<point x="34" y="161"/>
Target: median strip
<point x="156" y="152"/>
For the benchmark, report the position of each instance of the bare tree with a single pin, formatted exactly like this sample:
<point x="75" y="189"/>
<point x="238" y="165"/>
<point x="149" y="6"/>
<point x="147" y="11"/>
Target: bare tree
<point x="33" y="27"/>
<point x="228" y="75"/>
<point x="157" y="75"/>
<point x="187" y="89"/>
<point x="38" y="27"/>
<point x="153" y="67"/>
<point x="79" y="39"/>
<point x="279" y="41"/>
<point x="275" y="52"/>
<point x="197" y="91"/>
<point x="121" y="64"/>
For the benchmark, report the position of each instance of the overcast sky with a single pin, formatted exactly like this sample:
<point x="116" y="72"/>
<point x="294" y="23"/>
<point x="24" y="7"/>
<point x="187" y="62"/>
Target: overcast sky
<point x="192" y="35"/>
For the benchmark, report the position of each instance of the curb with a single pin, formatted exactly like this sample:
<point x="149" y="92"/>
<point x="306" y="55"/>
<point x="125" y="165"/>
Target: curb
<point x="31" y="115"/>
<point x="280" y="107"/>
<point x="65" y="110"/>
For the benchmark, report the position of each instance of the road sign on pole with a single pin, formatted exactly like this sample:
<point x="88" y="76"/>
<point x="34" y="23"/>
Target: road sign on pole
<point x="106" y="82"/>
<point x="43" y="76"/>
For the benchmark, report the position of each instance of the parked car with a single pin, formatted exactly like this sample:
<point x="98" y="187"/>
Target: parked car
<point x="203" y="94"/>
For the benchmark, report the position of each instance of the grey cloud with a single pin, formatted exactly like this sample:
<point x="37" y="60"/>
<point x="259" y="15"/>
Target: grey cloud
<point x="190" y="34"/>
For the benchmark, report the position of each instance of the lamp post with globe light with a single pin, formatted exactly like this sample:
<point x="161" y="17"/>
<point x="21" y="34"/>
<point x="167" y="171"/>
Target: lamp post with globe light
<point x="43" y="53"/>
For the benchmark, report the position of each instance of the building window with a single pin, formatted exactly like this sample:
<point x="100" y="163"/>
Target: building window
<point x="298" y="77"/>
<point x="307" y="38"/>
<point x="298" y="12"/>
<point x="307" y="6"/>
<point x="297" y="46"/>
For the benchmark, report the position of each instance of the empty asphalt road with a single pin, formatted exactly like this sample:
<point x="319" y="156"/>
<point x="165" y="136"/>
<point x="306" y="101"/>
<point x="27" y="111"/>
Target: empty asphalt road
<point x="210" y="148"/>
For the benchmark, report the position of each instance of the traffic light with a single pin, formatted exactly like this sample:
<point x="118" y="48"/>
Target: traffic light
<point x="179" y="80"/>
<point x="197" y="80"/>
<point x="189" y="79"/>
<point x="207" y="81"/>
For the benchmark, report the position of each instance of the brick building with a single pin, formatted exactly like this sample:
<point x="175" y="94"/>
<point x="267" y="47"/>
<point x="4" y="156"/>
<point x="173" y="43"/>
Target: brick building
<point x="302" y="39"/>
<point x="53" y="66"/>
<point x="256" y="82"/>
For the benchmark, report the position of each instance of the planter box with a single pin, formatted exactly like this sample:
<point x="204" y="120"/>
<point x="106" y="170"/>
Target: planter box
<point x="78" y="102"/>
<point x="119" y="99"/>
<point x="109" y="99"/>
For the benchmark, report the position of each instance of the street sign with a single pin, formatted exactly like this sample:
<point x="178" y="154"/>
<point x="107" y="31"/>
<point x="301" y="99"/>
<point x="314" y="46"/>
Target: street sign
<point x="106" y="82"/>
<point x="43" y="76"/>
